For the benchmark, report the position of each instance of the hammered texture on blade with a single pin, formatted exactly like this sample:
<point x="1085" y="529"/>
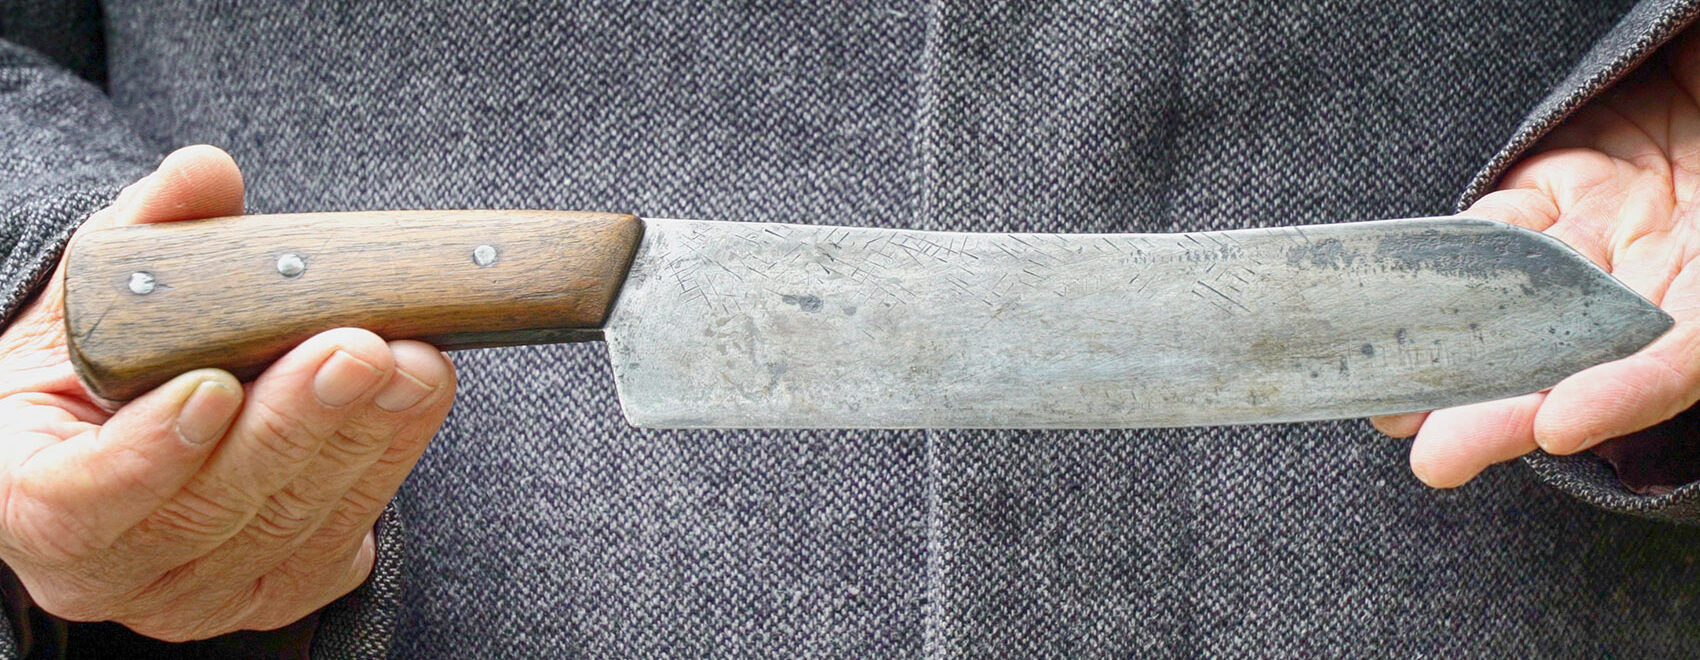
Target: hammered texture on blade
<point x="724" y="324"/>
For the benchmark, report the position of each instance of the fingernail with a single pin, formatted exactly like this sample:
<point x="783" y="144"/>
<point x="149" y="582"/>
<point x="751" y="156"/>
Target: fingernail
<point x="403" y="392"/>
<point x="343" y="378"/>
<point x="207" y="412"/>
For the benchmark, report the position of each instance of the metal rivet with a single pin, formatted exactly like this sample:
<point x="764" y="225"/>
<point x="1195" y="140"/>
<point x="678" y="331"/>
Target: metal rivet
<point x="141" y="283"/>
<point x="291" y="265"/>
<point x="483" y="255"/>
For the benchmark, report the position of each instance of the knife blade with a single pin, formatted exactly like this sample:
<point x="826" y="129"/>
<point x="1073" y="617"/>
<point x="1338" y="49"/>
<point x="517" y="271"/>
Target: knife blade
<point x="728" y="324"/>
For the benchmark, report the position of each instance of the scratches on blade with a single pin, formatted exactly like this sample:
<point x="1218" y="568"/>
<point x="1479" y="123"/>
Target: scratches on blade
<point x="888" y="328"/>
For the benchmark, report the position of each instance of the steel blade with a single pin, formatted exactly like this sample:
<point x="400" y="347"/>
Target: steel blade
<point x="724" y="324"/>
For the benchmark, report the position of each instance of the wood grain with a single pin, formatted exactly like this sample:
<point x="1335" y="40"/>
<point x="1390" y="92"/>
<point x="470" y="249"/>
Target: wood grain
<point x="219" y="299"/>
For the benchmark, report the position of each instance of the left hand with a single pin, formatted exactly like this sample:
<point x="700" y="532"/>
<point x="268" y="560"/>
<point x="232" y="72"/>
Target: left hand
<point x="206" y="505"/>
<point x="1618" y="182"/>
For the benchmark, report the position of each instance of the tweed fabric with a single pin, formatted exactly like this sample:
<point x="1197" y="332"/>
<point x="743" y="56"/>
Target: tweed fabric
<point x="538" y="524"/>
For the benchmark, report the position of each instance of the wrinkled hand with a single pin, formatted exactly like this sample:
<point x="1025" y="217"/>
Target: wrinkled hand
<point x="204" y="506"/>
<point x="1618" y="182"/>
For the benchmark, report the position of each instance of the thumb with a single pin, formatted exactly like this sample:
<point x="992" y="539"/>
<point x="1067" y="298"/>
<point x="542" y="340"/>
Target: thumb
<point x="111" y="477"/>
<point x="194" y="182"/>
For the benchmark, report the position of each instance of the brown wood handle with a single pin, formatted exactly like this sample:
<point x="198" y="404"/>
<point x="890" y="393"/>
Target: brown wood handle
<point x="144" y="303"/>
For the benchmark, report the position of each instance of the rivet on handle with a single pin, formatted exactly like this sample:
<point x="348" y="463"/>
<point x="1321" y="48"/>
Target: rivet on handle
<point x="291" y="265"/>
<point x="483" y="255"/>
<point x="141" y="283"/>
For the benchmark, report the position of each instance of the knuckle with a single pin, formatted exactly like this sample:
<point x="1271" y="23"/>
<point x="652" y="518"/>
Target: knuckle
<point x="282" y="433"/>
<point x="357" y="511"/>
<point x="402" y="453"/>
<point x="196" y="516"/>
<point x="344" y="519"/>
<point x="358" y="439"/>
<point x="285" y="517"/>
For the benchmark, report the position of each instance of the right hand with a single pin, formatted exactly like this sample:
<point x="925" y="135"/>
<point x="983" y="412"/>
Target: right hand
<point x="204" y="506"/>
<point x="1618" y="181"/>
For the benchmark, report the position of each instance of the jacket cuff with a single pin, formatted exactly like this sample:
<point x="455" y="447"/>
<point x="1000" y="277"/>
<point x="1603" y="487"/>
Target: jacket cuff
<point x="42" y="227"/>
<point x="1640" y="33"/>
<point x="1587" y="478"/>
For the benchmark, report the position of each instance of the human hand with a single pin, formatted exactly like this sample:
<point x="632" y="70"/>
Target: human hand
<point x="1618" y="182"/>
<point x="204" y="506"/>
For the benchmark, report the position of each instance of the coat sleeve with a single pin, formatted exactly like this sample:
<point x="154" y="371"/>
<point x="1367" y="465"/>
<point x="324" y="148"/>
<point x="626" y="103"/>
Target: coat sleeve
<point x="1655" y="474"/>
<point x="65" y="152"/>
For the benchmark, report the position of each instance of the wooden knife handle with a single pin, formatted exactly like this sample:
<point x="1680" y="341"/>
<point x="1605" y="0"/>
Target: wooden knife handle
<point x="144" y="303"/>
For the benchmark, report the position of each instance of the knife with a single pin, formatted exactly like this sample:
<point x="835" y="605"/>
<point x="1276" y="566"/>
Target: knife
<point x="728" y="324"/>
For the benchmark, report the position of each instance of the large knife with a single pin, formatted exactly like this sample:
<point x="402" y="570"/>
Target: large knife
<point x="727" y="324"/>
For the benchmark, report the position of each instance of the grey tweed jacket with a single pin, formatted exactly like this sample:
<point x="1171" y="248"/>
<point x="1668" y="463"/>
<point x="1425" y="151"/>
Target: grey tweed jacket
<point x="539" y="525"/>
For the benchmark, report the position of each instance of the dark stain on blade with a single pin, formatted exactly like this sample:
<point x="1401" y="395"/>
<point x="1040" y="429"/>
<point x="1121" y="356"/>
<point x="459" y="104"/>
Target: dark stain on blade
<point x="809" y="304"/>
<point x="1621" y="321"/>
<point x="1326" y="253"/>
<point x="1483" y="249"/>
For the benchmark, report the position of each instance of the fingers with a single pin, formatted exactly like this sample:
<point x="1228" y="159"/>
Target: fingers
<point x="1622" y="218"/>
<point x="1399" y="426"/>
<point x="1525" y="207"/>
<point x="1618" y="398"/>
<point x="1611" y="183"/>
<point x="361" y="505"/>
<point x="340" y="554"/>
<point x="1613" y="399"/>
<point x="341" y="492"/>
<point x="194" y="182"/>
<point x="293" y="409"/>
<point x="277" y="521"/>
<point x="1456" y="444"/>
<point x="108" y="478"/>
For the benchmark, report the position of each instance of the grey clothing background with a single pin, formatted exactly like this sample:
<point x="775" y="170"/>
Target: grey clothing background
<point x="538" y="524"/>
